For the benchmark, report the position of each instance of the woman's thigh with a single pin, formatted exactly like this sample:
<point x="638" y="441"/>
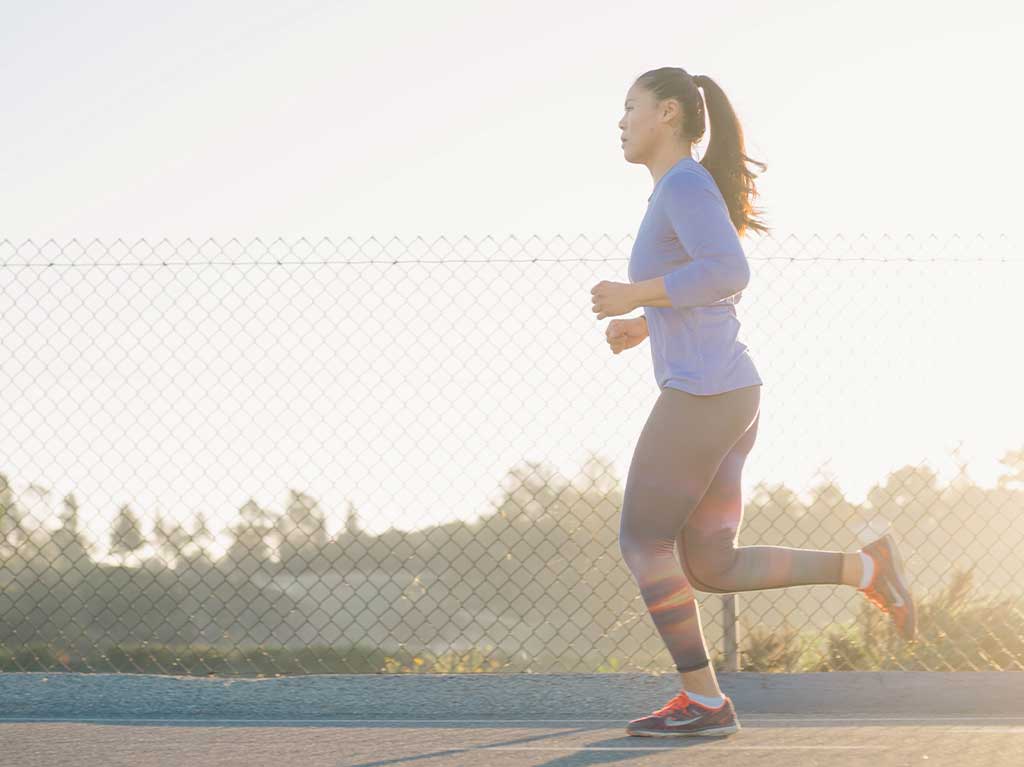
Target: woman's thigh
<point x="721" y="505"/>
<point x="714" y="525"/>
<point x="682" y="444"/>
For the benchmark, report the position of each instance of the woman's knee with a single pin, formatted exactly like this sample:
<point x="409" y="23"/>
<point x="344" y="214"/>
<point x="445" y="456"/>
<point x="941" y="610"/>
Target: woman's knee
<point x="641" y="552"/>
<point x="692" y="576"/>
<point x="710" y="557"/>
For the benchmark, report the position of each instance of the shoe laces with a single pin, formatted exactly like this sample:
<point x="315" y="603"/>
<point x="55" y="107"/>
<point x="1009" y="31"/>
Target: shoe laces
<point x="678" y="703"/>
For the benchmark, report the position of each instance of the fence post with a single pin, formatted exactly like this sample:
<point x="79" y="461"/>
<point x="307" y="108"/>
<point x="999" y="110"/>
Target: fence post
<point x="730" y="610"/>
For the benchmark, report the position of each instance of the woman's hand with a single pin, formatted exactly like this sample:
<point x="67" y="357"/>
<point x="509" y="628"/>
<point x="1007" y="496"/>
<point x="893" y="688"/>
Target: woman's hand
<point x="613" y="298"/>
<point x="625" y="334"/>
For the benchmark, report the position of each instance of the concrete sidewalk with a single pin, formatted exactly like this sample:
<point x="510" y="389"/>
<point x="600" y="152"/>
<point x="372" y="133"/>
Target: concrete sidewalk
<point x="64" y="695"/>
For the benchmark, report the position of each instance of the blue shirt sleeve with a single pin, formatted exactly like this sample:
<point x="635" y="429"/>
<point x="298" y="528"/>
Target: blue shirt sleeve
<point x="701" y="221"/>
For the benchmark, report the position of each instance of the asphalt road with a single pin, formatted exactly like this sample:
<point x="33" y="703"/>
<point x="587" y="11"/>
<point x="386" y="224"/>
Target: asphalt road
<point x="836" y="719"/>
<point x="777" y="741"/>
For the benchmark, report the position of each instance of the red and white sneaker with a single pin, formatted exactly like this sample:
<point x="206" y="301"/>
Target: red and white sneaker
<point x="888" y="589"/>
<point x="684" y="716"/>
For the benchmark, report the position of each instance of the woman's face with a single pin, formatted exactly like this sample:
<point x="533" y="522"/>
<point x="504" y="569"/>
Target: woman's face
<point x="645" y="124"/>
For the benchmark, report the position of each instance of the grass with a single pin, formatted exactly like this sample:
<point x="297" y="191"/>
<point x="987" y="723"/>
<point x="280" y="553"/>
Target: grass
<point x="957" y="631"/>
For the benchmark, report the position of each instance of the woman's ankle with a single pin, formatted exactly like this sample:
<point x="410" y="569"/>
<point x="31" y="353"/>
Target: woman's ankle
<point x="853" y="569"/>
<point x="703" y="682"/>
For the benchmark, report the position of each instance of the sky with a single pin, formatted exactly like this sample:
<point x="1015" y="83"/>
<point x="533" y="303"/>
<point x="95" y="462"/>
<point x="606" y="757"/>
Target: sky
<point x="227" y="119"/>
<point x="379" y="123"/>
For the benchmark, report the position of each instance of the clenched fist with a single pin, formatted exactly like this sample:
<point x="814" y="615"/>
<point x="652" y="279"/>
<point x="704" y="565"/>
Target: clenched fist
<point x="625" y="334"/>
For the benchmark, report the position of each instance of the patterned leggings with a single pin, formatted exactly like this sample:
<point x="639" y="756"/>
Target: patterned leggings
<point x="683" y="493"/>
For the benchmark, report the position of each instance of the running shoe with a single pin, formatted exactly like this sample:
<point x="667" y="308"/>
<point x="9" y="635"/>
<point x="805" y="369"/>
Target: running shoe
<point x="684" y="716"/>
<point x="888" y="589"/>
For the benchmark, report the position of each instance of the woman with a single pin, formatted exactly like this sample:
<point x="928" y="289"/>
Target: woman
<point x="687" y="270"/>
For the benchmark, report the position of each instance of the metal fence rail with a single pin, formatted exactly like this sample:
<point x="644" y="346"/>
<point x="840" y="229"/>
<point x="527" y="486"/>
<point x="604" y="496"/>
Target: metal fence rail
<point x="299" y="457"/>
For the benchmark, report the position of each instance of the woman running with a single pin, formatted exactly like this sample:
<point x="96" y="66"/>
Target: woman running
<point x="682" y="496"/>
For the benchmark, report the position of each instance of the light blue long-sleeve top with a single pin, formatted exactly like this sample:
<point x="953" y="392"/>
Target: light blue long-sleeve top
<point x="687" y="236"/>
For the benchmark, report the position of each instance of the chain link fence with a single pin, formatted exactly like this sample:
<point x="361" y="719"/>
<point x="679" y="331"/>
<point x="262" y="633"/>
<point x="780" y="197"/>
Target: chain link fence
<point x="310" y="457"/>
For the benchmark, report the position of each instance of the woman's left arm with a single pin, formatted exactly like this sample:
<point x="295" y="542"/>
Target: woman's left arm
<point x="701" y="221"/>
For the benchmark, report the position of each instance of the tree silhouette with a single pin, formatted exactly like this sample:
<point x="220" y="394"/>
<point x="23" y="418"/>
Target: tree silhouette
<point x="249" y="550"/>
<point x="1014" y="461"/>
<point x="169" y="538"/>
<point x="72" y="547"/>
<point x="201" y="535"/>
<point x="126" y="534"/>
<point x="303" y="532"/>
<point x="11" y="530"/>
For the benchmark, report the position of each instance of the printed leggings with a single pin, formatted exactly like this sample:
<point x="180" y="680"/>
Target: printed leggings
<point x="683" y="493"/>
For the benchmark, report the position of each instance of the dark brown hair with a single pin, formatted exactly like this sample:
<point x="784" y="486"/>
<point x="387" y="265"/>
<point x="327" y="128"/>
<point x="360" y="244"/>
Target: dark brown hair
<point x="725" y="158"/>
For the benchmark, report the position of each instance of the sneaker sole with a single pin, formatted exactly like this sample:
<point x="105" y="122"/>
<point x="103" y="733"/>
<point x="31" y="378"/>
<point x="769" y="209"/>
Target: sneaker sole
<point x="710" y="731"/>
<point x="894" y="566"/>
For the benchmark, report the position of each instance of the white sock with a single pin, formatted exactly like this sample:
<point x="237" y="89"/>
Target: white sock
<point x="707" y="701"/>
<point x="869" y="570"/>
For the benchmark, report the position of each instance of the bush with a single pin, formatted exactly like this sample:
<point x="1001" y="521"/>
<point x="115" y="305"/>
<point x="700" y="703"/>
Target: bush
<point x="956" y="631"/>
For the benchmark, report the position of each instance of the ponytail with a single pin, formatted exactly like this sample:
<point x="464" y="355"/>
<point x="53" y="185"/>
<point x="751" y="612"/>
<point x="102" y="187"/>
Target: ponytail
<point x="725" y="158"/>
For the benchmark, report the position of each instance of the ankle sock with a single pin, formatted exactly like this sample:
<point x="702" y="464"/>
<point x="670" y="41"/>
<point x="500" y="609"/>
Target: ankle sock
<point x="869" y="569"/>
<point x="713" y="702"/>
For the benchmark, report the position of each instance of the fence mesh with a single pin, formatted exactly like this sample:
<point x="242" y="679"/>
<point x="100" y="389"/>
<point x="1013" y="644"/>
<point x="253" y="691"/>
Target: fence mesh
<point x="308" y="457"/>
